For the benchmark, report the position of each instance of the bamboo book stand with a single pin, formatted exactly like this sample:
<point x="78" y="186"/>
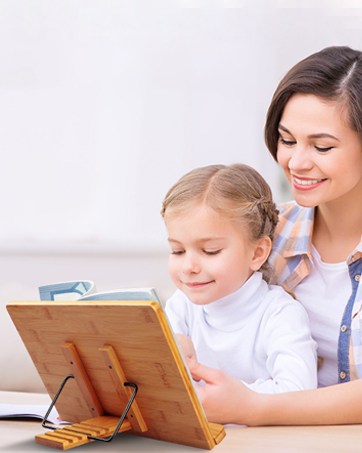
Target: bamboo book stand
<point x="94" y="356"/>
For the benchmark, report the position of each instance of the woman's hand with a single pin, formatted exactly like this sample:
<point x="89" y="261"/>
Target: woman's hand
<point x="187" y="346"/>
<point x="224" y="398"/>
<point x="227" y="400"/>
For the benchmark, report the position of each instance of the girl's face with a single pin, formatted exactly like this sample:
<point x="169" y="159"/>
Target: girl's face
<point x="319" y="153"/>
<point x="210" y="257"/>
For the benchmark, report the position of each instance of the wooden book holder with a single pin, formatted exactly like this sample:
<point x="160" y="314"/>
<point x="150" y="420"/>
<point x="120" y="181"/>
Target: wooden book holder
<point x="113" y="350"/>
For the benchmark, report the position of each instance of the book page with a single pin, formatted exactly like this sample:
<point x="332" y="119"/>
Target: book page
<point x="30" y="411"/>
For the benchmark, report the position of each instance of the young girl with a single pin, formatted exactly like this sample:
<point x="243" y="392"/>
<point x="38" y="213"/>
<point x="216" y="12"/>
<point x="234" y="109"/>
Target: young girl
<point x="314" y="131"/>
<point x="221" y="220"/>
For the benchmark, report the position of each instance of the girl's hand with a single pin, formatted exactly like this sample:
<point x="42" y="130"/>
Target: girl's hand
<point x="224" y="398"/>
<point x="187" y="346"/>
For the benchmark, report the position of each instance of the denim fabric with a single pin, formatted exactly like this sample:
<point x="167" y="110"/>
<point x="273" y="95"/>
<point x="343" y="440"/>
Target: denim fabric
<point x="345" y="332"/>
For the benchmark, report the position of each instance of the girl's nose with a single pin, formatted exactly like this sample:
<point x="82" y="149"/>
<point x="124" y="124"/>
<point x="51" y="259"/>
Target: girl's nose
<point x="190" y="264"/>
<point x="300" y="159"/>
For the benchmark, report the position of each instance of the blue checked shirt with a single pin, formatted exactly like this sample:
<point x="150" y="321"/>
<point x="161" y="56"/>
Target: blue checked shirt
<point x="291" y="261"/>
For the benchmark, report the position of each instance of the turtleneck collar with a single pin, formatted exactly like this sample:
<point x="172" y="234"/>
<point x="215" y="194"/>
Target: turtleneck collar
<point x="232" y="312"/>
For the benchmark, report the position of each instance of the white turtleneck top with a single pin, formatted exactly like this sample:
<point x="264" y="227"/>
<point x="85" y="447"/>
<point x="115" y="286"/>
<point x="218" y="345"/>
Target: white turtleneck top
<point x="258" y="334"/>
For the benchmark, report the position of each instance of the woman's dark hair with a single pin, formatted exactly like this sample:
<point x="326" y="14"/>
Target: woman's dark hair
<point x="333" y="74"/>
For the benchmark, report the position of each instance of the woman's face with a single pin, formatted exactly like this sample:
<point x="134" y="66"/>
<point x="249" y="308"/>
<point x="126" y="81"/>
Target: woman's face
<point x="319" y="153"/>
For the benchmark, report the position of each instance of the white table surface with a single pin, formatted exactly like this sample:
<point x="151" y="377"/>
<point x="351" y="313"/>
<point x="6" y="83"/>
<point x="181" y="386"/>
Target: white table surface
<point x="18" y="436"/>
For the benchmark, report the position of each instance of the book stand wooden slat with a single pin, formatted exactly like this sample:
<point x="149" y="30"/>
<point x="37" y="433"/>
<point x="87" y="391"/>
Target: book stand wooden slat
<point x="93" y="358"/>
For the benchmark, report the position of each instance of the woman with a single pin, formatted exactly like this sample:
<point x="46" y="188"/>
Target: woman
<point x="314" y="131"/>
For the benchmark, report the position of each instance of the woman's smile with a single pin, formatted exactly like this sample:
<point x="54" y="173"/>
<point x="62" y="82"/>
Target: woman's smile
<point x="307" y="183"/>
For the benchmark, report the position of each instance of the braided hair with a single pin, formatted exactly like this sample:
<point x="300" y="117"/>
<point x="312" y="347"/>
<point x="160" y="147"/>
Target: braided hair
<point x="236" y="191"/>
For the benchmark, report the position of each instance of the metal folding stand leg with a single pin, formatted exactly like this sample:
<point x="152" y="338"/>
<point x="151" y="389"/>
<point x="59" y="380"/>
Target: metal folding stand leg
<point x="102" y="439"/>
<point x="101" y="427"/>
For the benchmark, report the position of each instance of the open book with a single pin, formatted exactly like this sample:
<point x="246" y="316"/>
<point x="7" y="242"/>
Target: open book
<point x="86" y="290"/>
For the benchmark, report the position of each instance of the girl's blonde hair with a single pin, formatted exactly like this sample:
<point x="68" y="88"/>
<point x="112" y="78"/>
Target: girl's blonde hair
<point x="236" y="191"/>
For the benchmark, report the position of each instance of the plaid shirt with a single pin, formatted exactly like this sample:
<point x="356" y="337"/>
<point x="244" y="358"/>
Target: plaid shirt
<point x="291" y="261"/>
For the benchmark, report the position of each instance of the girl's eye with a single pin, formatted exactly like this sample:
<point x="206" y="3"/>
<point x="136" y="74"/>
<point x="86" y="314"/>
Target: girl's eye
<point x="212" y="252"/>
<point x="286" y="142"/>
<point x="177" y="252"/>
<point x="323" y="150"/>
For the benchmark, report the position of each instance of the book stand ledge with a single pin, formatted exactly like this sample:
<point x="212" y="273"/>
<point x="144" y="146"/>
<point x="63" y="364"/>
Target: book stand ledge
<point x="102" y="427"/>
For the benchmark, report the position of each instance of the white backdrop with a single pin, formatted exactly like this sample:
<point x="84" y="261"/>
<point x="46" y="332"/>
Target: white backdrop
<point x="105" y="104"/>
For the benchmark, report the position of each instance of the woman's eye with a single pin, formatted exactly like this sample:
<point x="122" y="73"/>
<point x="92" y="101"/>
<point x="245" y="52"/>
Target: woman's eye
<point x="286" y="142"/>
<point x="323" y="150"/>
<point x="177" y="252"/>
<point x="212" y="252"/>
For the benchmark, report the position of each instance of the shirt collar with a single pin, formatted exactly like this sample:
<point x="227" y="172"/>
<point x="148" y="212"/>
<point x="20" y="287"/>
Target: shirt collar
<point x="356" y="254"/>
<point x="299" y="241"/>
<point x="300" y="238"/>
<point x="233" y="311"/>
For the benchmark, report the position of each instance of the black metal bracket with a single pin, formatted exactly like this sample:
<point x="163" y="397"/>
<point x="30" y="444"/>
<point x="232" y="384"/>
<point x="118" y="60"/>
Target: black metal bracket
<point x="102" y="439"/>
<point x="129" y="404"/>
<point x="45" y="419"/>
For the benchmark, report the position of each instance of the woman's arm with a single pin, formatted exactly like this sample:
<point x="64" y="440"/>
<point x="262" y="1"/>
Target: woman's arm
<point x="226" y="400"/>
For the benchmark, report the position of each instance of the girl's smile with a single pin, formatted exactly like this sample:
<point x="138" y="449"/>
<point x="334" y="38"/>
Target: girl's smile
<point x="195" y="285"/>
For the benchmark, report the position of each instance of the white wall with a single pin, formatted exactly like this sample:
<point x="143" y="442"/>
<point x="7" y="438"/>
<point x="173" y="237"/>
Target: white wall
<point x="104" y="104"/>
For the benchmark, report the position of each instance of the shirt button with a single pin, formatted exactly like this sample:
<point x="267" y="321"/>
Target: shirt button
<point x="357" y="277"/>
<point x="343" y="375"/>
<point x="343" y="328"/>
